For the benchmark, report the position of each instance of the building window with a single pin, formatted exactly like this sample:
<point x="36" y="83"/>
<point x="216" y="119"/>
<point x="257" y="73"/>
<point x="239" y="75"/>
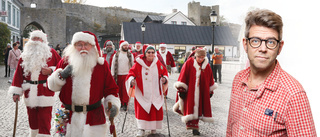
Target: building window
<point x="173" y="22"/>
<point x="183" y="23"/>
<point x="18" y="19"/>
<point x="3" y="8"/>
<point x="178" y="50"/>
<point x="14" y="16"/>
<point x="9" y="13"/>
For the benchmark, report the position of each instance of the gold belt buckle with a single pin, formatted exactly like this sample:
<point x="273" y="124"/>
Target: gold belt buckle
<point x="84" y="110"/>
<point x="72" y="108"/>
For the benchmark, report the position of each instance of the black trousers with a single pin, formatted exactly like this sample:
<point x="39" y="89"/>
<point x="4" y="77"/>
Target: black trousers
<point x="6" y="69"/>
<point x="217" y="69"/>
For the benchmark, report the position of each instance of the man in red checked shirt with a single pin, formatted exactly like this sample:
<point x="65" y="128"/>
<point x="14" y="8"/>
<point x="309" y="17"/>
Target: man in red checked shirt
<point x="266" y="100"/>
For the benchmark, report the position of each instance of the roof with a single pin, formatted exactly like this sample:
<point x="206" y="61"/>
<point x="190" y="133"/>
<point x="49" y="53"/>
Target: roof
<point x="168" y="17"/>
<point x="177" y="34"/>
<point x="154" y="18"/>
<point x="137" y="19"/>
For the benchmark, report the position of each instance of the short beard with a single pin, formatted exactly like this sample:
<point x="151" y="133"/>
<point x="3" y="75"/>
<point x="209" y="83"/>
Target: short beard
<point x="81" y="63"/>
<point x="108" y="49"/>
<point x="35" y="56"/>
<point x="125" y="50"/>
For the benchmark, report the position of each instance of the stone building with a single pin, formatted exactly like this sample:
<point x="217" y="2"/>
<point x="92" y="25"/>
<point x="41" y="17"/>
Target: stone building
<point x="200" y="14"/>
<point x="61" y="20"/>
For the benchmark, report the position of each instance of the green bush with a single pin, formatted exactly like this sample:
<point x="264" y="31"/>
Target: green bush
<point x="5" y="35"/>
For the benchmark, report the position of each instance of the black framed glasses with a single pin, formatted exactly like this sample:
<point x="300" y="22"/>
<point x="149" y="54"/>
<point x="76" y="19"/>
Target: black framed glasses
<point x="256" y="42"/>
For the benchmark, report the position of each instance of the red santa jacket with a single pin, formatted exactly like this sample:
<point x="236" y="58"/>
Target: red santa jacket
<point x="146" y="77"/>
<point x="198" y="82"/>
<point x="36" y="95"/>
<point x="168" y="58"/>
<point x="111" y="57"/>
<point x="92" y="88"/>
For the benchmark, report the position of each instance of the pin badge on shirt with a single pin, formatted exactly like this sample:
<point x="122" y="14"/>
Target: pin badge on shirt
<point x="268" y="112"/>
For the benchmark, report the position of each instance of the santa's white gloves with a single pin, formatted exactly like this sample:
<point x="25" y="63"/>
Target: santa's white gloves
<point x="66" y="72"/>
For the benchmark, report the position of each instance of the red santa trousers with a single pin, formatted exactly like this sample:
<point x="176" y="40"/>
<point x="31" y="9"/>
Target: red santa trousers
<point x="121" y="80"/>
<point x="40" y="118"/>
<point x="148" y="121"/>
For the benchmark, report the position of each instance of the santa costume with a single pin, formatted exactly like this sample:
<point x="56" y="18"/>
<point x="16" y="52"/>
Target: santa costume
<point x="137" y="51"/>
<point x="149" y="90"/>
<point x="196" y="80"/>
<point x="82" y="92"/>
<point x="168" y="58"/>
<point x="37" y="97"/>
<point x="121" y="63"/>
<point x="107" y="55"/>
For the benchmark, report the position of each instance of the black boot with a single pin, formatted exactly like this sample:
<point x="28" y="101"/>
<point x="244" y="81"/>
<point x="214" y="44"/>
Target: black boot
<point x="195" y="132"/>
<point x="125" y="107"/>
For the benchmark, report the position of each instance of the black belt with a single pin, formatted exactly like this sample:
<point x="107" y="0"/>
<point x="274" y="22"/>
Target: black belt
<point x="83" y="108"/>
<point x="37" y="82"/>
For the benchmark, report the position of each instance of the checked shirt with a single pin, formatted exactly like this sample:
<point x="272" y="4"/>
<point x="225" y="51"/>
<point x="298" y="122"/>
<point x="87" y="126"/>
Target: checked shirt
<point x="277" y="107"/>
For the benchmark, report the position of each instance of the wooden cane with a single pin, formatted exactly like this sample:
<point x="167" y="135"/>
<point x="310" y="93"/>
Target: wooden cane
<point x="15" y="119"/>
<point x="111" y="121"/>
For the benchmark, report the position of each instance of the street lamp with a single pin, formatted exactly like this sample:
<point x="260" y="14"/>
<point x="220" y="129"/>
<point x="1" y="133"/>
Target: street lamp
<point x="213" y="18"/>
<point x="143" y="29"/>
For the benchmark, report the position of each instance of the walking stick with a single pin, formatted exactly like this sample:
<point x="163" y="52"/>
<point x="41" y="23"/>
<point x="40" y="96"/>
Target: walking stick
<point x="15" y="119"/>
<point x="112" y="127"/>
<point x="125" y="117"/>
<point x="165" y="102"/>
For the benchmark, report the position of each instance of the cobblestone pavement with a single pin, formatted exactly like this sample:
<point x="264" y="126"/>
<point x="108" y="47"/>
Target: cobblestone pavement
<point x="219" y="102"/>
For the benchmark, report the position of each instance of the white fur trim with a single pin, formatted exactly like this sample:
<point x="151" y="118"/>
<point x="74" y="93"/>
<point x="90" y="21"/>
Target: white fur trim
<point x="39" y="101"/>
<point x="85" y="37"/>
<point x="174" y="69"/>
<point x="163" y="45"/>
<point x="33" y="133"/>
<point x="25" y="86"/>
<point x="54" y="83"/>
<point x="40" y="34"/>
<point x="179" y="84"/>
<point x="43" y="135"/>
<point x="123" y="43"/>
<point x="53" y="68"/>
<point x="187" y="118"/>
<point x="15" y="90"/>
<point x="149" y="125"/>
<point x="213" y="87"/>
<point x="178" y="106"/>
<point x="101" y="60"/>
<point x="114" y="100"/>
<point x="207" y="119"/>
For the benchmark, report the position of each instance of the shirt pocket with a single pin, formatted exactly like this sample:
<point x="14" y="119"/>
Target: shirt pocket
<point x="267" y="120"/>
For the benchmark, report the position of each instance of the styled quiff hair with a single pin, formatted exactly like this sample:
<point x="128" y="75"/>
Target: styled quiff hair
<point x="266" y="18"/>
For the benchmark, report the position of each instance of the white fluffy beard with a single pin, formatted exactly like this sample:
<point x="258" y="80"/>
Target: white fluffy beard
<point x="81" y="63"/>
<point x="35" y="55"/>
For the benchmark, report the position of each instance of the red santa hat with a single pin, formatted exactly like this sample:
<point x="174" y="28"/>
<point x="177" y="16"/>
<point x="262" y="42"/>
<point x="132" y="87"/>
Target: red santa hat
<point x="87" y="36"/>
<point x="40" y="34"/>
<point x="123" y="42"/>
<point x="162" y="45"/>
<point x="138" y="43"/>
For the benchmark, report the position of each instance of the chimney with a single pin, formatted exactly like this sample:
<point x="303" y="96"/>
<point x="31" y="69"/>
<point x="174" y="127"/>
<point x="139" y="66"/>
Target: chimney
<point x="174" y="10"/>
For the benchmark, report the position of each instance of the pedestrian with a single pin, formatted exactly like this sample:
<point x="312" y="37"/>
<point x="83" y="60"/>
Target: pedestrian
<point x="137" y="49"/>
<point x="58" y="49"/>
<point x="217" y="64"/>
<point x="108" y="51"/>
<point x="83" y="79"/>
<point x="167" y="58"/>
<point x="13" y="59"/>
<point x="150" y="78"/>
<point x="36" y="63"/>
<point x="6" y="55"/>
<point x="19" y="46"/>
<point x="121" y="63"/>
<point x="266" y="100"/>
<point x="195" y="87"/>
<point x="189" y="53"/>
